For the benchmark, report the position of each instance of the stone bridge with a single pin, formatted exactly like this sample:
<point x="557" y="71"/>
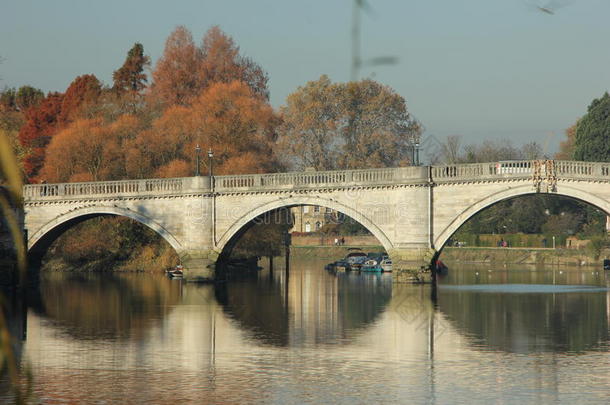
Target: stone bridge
<point x="412" y="211"/>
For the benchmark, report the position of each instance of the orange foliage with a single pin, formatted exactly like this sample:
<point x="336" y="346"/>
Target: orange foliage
<point x="175" y="78"/>
<point x="227" y="117"/>
<point x="169" y="137"/>
<point x="185" y="70"/>
<point x="566" y="147"/>
<point x="82" y="93"/>
<point x="175" y="168"/>
<point x="88" y="151"/>
<point x="203" y="104"/>
<point x="222" y="63"/>
<point x="235" y="122"/>
<point x="40" y="125"/>
<point x="80" y="177"/>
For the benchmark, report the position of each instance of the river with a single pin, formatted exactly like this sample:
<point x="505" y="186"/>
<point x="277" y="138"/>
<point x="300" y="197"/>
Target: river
<point x="507" y="335"/>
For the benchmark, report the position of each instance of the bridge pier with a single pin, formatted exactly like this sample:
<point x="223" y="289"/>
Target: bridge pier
<point x="412" y="265"/>
<point x="199" y="265"/>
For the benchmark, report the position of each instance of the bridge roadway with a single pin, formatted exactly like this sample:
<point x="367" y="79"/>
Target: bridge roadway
<point x="412" y="211"/>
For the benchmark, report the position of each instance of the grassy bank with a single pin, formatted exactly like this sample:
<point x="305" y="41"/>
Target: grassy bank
<point x="535" y="256"/>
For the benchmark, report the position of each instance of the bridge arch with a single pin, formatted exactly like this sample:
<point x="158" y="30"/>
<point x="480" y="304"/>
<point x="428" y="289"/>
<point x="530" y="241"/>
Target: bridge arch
<point x="521" y="190"/>
<point x="67" y="220"/>
<point x="292" y="201"/>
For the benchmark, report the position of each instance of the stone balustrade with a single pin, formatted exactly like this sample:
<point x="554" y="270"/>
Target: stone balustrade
<point x="115" y="188"/>
<point x="316" y="179"/>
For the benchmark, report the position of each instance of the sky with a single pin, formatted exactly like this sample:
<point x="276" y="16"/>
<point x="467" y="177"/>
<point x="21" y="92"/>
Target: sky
<point x="481" y="69"/>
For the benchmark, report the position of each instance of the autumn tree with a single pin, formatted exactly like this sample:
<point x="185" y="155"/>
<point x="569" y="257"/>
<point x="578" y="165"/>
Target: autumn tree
<point x="239" y="126"/>
<point x="82" y="94"/>
<point x="90" y="150"/>
<point x="346" y="125"/>
<point x="309" y="133"/>
<point x="185" y="70"/>
<point x="153" y="150"/>
<point x="376" y="124"/>
<point x="41" y="123"/>
<point x="222" y="63"/>
<point x="228" y="118"/>
<point x="176" y="75"/>
<point x="566" y="147"/>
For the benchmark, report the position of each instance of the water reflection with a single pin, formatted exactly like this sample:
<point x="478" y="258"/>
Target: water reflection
<point x="103" y="306"/>
<point x="499" y="311"/>
<point x="309" y="306"/>
<point x="315" y="337"/>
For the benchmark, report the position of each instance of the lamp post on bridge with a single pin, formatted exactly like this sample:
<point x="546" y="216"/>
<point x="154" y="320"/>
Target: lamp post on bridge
<point x="211" y="156"/>
<point x="211" y="173"/>
<point x="414" y="153"/>
<point x="197" y="153"/>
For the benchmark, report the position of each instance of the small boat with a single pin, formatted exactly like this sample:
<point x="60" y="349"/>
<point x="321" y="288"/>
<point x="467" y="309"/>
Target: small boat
<point x="371" y="265"/>
<point x="606" y="264"/>
<point x="175" y="272"/>
<point x="386" y="265"/>
<point x="355" y="258"/>
<point x="357" y="262"/>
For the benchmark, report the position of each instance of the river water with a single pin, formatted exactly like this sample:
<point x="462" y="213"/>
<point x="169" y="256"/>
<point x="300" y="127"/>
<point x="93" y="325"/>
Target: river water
<point x="506" y="336"/>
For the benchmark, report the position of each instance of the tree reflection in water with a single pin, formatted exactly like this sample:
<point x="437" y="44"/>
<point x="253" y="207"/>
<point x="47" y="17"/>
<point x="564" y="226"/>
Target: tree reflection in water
<point x="526" y="318"/>
<point x="104" y="306"/>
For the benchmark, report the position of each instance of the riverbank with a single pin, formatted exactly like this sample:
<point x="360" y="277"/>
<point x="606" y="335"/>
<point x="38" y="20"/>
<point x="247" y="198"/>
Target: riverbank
<point x="330" y="252"/>
<point x="536" y="256"/>
<point x="449" y="255"/>
<point x="133" y="265"/>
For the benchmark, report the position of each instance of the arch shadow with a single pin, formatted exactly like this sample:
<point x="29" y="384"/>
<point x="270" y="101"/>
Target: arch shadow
<point x="39" y="242"/>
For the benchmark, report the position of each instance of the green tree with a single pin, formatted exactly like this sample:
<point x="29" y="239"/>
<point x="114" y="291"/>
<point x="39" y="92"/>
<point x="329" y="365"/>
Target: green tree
<point x="592" y="141"/>
<point x="28" y="96"/>
<point x="130" y="78"/>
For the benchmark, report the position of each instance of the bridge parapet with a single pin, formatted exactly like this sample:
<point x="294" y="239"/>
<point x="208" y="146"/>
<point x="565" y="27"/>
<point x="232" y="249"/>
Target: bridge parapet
<point x="506" y="170"/>
<point x="315" y="179"/>
<point x="569" y="169"/>
<point x="522" y="169"/>
<point x="121" y="188"/>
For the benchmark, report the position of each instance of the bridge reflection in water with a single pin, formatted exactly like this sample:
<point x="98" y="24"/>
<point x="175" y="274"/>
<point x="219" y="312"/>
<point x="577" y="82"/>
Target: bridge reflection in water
<point x="312" y="337"/>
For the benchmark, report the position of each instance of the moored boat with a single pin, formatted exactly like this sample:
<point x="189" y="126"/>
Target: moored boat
<point x="176" y="272"/>
<point x="386" y="265"/>
<point x="371" y="266"/>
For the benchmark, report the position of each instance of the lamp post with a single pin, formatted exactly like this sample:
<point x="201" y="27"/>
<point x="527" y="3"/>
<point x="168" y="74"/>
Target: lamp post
<point x="211" y="156"/>
<point x="417" y="154"/>
<point x="197" y="153"/>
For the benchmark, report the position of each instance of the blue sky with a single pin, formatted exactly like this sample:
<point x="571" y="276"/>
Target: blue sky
<point x="483" y="69"/>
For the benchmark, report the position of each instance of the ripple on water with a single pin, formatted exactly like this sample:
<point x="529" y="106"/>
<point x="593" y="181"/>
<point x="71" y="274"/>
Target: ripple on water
<point x="526" y="288"/>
